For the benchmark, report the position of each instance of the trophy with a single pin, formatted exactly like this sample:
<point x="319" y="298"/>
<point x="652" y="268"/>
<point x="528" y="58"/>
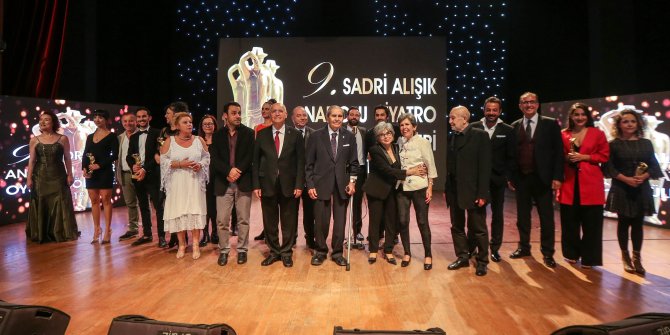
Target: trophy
<point x="138" y="161"/>
<point x="573" y="150"/>
<point x="91" y="160"/>
<point x="161" y="140"/>
<point x="641" y="168"/>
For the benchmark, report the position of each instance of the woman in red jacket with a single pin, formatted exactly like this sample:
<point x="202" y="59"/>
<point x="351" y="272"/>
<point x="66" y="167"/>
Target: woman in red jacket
<point x="582" y="193"/>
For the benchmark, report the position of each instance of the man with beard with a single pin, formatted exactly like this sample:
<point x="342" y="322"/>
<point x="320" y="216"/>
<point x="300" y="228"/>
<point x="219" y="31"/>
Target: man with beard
<point x="124" y="175"/>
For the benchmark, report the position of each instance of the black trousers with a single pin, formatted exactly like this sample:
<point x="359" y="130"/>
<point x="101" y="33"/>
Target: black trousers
<point x="322" y="210"/>
<point x="279" y="210"/>
<point x="384" y="212"/>
<point x="531" y="189"/>
<point x="497" y="215"/>
<point x="418" y="198"/>
<point x="150" y="190"/>
<point x="307" y="216"/>
<point x="357" y="205"/>
<point x="582" y="233"/>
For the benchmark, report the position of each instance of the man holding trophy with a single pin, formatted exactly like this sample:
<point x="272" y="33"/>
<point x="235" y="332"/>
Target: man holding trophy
<point x="125" y="176"/>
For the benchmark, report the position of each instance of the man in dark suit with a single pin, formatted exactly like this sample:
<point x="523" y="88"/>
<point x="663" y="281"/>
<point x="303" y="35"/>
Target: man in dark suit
<point x="278" y="172"/>
<point x="467" y="188"/>
<point x="299" y="117"/>
<point x="147" y="185"/>
<point x="331" y="169"/>
<point x="538" y="171"/>
<point x="353" y="125"/>
<point x="231" y="155"/>
<point x="502" y="160"/>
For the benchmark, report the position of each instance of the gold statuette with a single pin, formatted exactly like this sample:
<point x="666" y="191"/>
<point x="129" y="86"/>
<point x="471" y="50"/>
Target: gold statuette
<point x="573" y="146"/>
<point x="641" y="168"/>
<point x="91" y="160"/>
<point x="138" y="161"/>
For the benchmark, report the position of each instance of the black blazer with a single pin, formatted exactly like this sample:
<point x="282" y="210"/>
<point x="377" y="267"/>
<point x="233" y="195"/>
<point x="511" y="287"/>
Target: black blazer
<point x="503" y="152"/>
<point x="548" y="150"/>
<point x="289" y="166"/>
<point x="380" y="164"/>
<point x="473" y="168"/>
<point x="219" y="152"/>
<point x="151" y="148"/>
<point x="322" y="170"/>
<point x="308" y="133"/>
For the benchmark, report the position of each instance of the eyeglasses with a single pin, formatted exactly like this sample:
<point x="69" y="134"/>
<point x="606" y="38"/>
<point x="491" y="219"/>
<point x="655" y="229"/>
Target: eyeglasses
<point x="388" y="133"/>
<point x="529" y="102"/>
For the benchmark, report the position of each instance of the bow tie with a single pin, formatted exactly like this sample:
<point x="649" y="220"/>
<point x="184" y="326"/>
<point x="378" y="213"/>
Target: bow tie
<point x="143" y="132"/>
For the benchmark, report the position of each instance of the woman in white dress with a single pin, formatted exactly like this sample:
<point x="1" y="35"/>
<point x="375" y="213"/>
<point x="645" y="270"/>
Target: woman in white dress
<point x="184" y="176"/>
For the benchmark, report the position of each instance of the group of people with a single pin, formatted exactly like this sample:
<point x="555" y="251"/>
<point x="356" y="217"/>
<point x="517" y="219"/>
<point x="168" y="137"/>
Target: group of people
<point x="194" y="182"/>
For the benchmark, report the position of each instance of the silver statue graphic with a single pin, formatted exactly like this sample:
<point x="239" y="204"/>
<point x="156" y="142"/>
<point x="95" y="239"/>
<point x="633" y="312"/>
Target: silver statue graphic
<point x="253" y="81"/>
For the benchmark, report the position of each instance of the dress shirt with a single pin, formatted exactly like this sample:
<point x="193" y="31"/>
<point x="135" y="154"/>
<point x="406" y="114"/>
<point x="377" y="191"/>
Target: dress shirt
<point x="124" y="153"/>
<point x="491" y="130"/>
<point x="142" y="143"/>
<point x="359" y="144"/>
<point x="533" y="124"/>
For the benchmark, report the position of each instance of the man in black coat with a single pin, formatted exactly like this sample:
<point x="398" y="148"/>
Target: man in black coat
<point x="300" y="118"/>
<point x="231" y="155"/>
<point x="538" y="171"/>
<point x="144" y="143"/>
<point x="467" y="188"/>
<point x="278" y="175"/>
<point x="502" y="161"/>
<point x="331" y="169"/>
<point x="353" y="125"/>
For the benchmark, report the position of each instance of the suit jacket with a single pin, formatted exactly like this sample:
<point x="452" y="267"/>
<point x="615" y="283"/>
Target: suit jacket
<point x="363" y="132"/>
<point x="591" y="180"/>
<point x="289" y="166"/>
<point x="473" y="168"/>
<point x="380" y="164"/>
<point x="322" y="170"/>
<point x="502" y="152"/>
<point x="308" y="133"/>
<point x="151" y="148"/>
<point x="118" y="167"/>
<point x="219" y="152"/>
<point x="548" y="150"/>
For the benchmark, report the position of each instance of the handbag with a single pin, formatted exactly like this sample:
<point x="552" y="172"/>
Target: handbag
<point x="376" y="187"/>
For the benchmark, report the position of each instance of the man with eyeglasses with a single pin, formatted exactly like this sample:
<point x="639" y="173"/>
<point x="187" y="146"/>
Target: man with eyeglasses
<point x="538" y="171"/>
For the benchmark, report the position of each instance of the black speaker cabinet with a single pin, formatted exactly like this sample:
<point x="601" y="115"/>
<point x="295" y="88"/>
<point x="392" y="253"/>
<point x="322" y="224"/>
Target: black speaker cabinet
<point x="641" y="324"/>
<point x="431" y="331"/>
<point x="140" y="325"/>
<point x="31" y="320"/>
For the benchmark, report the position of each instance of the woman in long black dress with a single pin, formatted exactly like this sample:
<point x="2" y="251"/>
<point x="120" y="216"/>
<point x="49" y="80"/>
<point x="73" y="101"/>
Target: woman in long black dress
<point x="205" y="131"/>
<point x="632" y="162"/>
<point x="99" y="155"/>
<point x="51" y="213"/>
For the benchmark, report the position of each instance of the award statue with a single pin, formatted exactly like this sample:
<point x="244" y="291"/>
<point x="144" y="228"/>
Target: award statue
<point x="641" y="168"/>
<point x="573" y="150"/>
<point x="138" y="161"/>
<point x="91" y="160"/>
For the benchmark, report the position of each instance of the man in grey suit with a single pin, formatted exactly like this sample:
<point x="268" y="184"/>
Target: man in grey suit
<point x="353" y="125"/>
<point x="467" y="188"/>
<point x="124" y="174"/>
<point x="331" y="169"/>
<point x="300" y="119"/>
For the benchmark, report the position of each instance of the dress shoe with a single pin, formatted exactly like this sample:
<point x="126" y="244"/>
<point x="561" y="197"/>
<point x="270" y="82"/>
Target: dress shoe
<point x="481" y="270"/>
<point x="127" y="235"/>
<point x="495" y="256"/>
<point x="173" y="242"/>
<point x="390" y="259"/>
<point x="427" y="266"/>
<point x="569" y="260"/>
<point x="459" y="263"/>
<point x="318" y="259"/>
<point x="287" y="261"/>
<point x="519" y="253"/>
<point x="260" y="236"/>
<point x="204" y="240"/>
<point x="223" y="259"/>
<point x="215" y="238"/>
<point x="360" y="237"/>
<point x="405" y="263"/>
<point x="340" y="261"/>
<point x="241" y="258"/>
<point x="142" y="240"/>
<point x="270" y="259"/>
<point x="549" y="262"/>
<point x="162" y="243"/>
<point x="372" y="259"/>
<point x="637" y="263"/>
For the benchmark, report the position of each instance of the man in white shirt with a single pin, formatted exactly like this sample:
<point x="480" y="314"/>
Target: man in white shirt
<point x="124" y="175"/>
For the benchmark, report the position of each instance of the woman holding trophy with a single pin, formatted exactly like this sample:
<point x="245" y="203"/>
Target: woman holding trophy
<point x="582" y="193"/>
<point x="100" y="152"/>
<point x="632" y="163"/>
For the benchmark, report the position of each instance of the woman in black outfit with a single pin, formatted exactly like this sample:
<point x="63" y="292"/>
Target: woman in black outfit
<point x="100" y="153"/>
<point x="632" y="163"/>
<point x="205" y="130"/>
<point x="385" y="169"/>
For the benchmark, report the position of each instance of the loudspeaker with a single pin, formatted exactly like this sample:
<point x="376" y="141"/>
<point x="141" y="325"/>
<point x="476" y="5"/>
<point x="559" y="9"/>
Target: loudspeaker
<point x="431" y="331"/>
<point x="140" y="325"/>
<point x="641" y="324"/>
<point x="31" y="320"/>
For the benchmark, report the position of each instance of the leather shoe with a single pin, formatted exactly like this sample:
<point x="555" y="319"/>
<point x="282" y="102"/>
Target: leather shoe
<point x="128" y="235"/>
<point x="142" y="240"/>
<point x="519" y="253"/>
<point x="481" y="270"/>
<point x="372" y="260"/>
<point x="391" y="259"/>
<point x="162" y="243"/>
<point x="173" y="243"/>
<point x="318" y="259"/>
<point x="360" y="237"/>
<point x="241" y="258"/>
<point x="270" y="259"/>
<point x="495" y="256"/>
<point x="287" y="261"/>
<point x="549" y="262"/>
<point x="260" y="236"/>
<point x="204" y="240"/>
<point x="405" y="263"/>
<point x="459" y="263"/>
<point x="340" y="261"/>
<point x="223" y="259"/>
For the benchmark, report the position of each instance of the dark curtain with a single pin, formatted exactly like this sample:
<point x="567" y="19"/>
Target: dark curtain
<point x="35" y="35"/>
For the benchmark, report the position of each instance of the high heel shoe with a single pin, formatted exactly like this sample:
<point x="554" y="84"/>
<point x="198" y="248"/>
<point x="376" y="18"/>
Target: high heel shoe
<point x="372" y="259"/>
<point x="96" y="236"/>
<point x="428" y="266"/>
<point x="405" y="263"/>
<point x="390" y="259"/>
<point x="180" y="252"/>
<point x="108" y="237"/>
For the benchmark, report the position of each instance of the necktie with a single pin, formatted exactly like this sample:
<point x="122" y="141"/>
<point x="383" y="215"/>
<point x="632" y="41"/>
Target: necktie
<point x="302" y="132"/>
<point x="333" y="143"/>
<point x="277" y="141"/>
<point x="529" y="132"/>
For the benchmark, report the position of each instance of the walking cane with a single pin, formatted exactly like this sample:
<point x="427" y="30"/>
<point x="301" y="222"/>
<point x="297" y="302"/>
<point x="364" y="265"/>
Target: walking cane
<point x="350" y="229"/>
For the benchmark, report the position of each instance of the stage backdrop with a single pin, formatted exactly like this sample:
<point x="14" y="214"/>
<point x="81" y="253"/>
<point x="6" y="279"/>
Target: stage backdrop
<point x="655" y="109"/>
<point x="19" y="124"/>
<point x="406" y="74"/>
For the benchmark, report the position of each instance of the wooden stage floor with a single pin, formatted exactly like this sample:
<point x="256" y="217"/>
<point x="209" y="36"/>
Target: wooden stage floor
<point x="94" y="283"/>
